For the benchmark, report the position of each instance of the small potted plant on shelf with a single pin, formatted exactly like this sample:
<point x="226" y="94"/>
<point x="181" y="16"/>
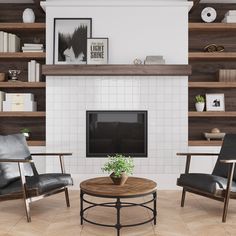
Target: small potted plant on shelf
<point x="199" y="103"/>
<point x="120" y="167"/>
<point x="26" y="132"/>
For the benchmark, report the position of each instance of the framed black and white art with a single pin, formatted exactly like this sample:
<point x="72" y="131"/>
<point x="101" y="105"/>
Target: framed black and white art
<point x="215" y="102"/>
<point x="70" y="40"/>
<point x="97" y="51"/>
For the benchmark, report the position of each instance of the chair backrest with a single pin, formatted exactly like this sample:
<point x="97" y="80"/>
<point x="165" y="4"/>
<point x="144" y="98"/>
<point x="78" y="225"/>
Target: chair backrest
<point x="227" y="152"/>
<point x="13" y="147"/>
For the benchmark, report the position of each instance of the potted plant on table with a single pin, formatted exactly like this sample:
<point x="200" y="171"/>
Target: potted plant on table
<point x="120" y="167"/>
<point x="199" y="103"/>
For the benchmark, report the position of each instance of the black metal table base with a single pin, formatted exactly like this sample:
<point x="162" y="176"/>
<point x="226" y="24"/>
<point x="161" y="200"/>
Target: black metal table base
<point x="118" y="205"/>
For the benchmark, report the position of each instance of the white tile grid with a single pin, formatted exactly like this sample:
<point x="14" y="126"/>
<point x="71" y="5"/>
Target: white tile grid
<point x="165" y="98"/>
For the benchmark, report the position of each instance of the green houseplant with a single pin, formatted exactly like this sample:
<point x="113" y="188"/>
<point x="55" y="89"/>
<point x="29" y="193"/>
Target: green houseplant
<point x="119" y="167"/>
<point x="199" y="103"/>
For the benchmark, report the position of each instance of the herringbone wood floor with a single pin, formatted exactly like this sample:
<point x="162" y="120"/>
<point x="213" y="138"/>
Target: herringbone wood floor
<point x="50" y="217"/>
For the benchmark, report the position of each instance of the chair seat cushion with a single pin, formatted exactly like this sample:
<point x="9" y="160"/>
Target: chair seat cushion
<point x="44" y="183"/>
<point x="204" y="182"/>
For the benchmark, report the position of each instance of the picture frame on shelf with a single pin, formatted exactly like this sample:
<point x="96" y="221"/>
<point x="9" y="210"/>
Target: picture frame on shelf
<point x="97" y="51"/>
<point x="215" y="102"/>
<point x="70" y="40"/>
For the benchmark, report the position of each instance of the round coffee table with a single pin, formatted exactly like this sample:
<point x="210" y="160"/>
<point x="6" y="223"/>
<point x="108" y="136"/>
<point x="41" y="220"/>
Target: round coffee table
<point x="104" y="188"/>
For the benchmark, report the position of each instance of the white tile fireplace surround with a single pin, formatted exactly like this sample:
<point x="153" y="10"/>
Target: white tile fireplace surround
<point x="135" y="28"/>
<point x="68" y="99"/>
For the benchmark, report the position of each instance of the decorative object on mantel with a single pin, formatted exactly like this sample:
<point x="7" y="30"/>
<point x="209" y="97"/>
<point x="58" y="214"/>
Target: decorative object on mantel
<point x="227" y="75"/>
<point x="26" y="133"/>
<point x="214" y="48"/>
<point x="97" y="51"/>
<point x="13" y="74"/>
<point x="199" y="103"/>
<point x="208" y="14"/>
<point x="70" y="40"/>
<point x="154" y="60"/>
<point x="215" y="102"/>
<point x="120" y="167"/>
<point x="214" y="134"/>
<point x="2" y="77"/>
<point x="230" y="17"/>
<point x="28" y="16"/>
<point x="137" y="61"/>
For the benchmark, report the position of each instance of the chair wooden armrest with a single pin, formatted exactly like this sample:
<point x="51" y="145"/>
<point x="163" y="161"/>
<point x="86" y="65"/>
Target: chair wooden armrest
<point x="51" y="154"/>
<point x="228" y="161"/>
<point x="197" y="154"/>
<point x="16" y="160"/>
<point x="60" y="155"/>
<point x="189" y="155"/>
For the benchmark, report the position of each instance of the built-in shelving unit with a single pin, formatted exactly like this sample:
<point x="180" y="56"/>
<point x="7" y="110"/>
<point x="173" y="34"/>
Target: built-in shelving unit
<point x="22" y="114"/>
<point x="212" y="85"/>
<point x="22" y="85"/>
<point x="13" y="122"/>
<point x="205" y="67"/>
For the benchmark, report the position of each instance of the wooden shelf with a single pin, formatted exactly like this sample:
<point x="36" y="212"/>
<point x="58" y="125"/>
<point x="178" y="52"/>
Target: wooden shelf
<point x="36" y="143"/>
<point x="212" y="27"/>
<point x="22" y="27"/>
<point x="22" y="55"/>
<point x="22" y="114"/>
<point x="212" y="56"/>
<point x="212" y="84"/>
<point x="22" y="85"/>
<point x="212" y="114"/>
<point x="116" y="70"/>
<point x="204" y="143"/>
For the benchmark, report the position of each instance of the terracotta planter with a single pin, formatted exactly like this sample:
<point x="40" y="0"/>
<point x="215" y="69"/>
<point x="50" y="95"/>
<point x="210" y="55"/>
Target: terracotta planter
<point x="120" y="180"/>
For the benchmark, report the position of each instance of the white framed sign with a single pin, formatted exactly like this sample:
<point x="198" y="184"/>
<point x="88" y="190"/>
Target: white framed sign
<point x="97" y="51"/>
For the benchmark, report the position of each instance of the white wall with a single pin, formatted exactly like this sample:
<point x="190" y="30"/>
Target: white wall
<point x="135" y="28"/>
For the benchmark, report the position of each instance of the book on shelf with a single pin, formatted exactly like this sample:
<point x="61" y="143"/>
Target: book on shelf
<point x="34" y="71"/>
<point x="30" y="47"/>
<point x="9" y="42"/>
<point x="231" y="13"/>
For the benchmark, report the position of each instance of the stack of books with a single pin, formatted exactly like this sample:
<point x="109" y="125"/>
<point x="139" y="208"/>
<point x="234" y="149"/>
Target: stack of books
<point x="227" y="75"/>
<point x="230" y="17"/>
<point x="154" y="60"/>
<point x="9" y="42"/>
<point x="32" y="47"/>
<point x="19" y="102"/>
<point x="34" y="71"/>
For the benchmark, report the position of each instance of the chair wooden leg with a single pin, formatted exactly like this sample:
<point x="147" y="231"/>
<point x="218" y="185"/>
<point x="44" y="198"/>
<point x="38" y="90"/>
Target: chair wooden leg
<point x="228" y="189"/>
<point x="27" y="210"/>
<point x="67" y="197"/>
<point x="183" y="197"/>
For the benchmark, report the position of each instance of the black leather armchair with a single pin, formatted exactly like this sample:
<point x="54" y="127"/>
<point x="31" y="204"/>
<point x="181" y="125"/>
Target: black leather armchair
<point x="19" y="178"/>
<point x="221" y="184"/>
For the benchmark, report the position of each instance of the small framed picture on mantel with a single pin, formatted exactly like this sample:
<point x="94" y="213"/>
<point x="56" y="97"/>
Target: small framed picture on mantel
<point x="215" y="102"/>
<point x="97" y="51"/>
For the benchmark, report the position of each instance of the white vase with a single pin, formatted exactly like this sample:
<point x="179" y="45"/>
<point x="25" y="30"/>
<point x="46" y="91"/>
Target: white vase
<point x="28" y="16"/>
<point x="200" y="106"/>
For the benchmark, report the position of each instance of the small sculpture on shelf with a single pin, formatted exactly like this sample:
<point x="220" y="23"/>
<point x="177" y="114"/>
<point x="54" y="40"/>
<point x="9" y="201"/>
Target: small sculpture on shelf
<point x="13" y="74"/>
<point x="28" y="16"/>
<point x="214" y="134"/>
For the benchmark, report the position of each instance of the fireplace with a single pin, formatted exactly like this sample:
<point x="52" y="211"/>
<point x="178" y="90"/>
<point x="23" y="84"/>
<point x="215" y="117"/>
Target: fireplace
<point x="111" y="132"/>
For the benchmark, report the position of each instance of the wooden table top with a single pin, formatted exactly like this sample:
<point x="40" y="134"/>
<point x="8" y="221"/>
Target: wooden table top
<point x="103" y="186"/>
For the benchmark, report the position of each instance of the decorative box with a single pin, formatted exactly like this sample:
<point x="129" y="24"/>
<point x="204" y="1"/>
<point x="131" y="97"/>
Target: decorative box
<point x="17" y="106"/>
<point x="19" y="97"/>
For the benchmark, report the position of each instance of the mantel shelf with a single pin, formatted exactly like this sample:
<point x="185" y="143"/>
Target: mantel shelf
<point x="212" y="114"/>
<point x="116" y="70"/>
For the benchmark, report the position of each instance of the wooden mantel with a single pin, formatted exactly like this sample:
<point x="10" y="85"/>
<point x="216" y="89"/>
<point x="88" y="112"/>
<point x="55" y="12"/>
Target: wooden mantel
<point x="116" y="70"/>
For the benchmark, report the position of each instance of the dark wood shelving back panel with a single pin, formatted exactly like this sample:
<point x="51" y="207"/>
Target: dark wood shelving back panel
<point x="197" y="126"/>
<point x="39" y="95"/>
<point x="11" y="125"/>
<point x="230" y="97"/>
<point x="221" y="9"/>
<point x="13" y="12"/>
